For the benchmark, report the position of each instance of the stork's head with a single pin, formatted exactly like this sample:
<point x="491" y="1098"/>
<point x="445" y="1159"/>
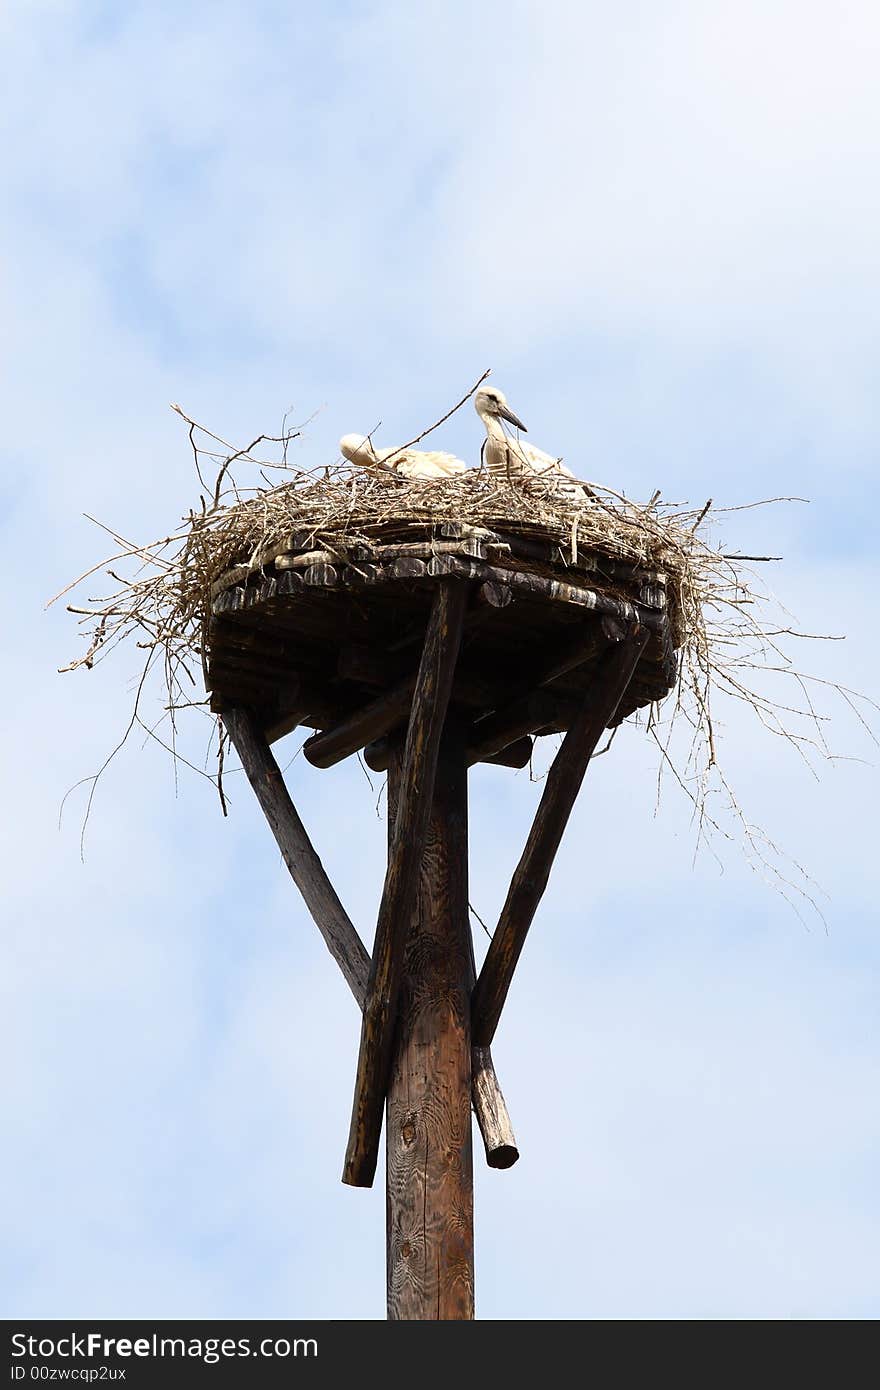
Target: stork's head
<point x="357" y="448"/>
<point x="491" y="404"/>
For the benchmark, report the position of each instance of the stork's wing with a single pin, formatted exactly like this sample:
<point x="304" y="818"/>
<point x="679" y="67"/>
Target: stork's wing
<point x="415" y="463"/>
<point x="535" y="460"/>
<point x="538" y="460"/>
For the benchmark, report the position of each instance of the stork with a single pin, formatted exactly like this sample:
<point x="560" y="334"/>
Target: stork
<point x="409" y="463"/>
<point x="515" y="457"/>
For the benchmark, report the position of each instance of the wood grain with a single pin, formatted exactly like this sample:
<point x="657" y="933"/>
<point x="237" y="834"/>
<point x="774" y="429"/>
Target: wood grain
<point x="517" y="754"/>
<point x="429" y="1203"/>
<point x="306" y="869"/>
<point x="533" y="870"/>
<point x="364" y="726"/>
<point x="541" y="709"/>
<point x="427" y="717"/>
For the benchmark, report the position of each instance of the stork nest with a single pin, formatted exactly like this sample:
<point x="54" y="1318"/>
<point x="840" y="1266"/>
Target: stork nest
<point x="732" y="639"/>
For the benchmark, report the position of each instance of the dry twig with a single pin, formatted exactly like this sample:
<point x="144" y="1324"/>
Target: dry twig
<point x="732" y="639"/>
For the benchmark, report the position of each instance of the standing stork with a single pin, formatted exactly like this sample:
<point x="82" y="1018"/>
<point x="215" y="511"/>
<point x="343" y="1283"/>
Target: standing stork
<point x="515" y="457"/>
<point x="409" y="463"/>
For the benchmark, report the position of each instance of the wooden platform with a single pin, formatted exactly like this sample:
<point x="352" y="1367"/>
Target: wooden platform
<point x="328" y="639"/>
<point x="431" y="647"/>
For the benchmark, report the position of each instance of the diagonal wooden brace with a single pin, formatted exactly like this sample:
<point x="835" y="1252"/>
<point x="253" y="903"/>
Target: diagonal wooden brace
<point x="306" y="869"/>
<point x="427" y="717"/>
<point x="533" y="870"/>
<point x="334" y="923"/>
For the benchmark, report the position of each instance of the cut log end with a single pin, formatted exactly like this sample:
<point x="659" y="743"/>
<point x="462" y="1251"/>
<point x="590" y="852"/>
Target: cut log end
<point x="503" y="1157"/>
<point x="515" y="755"/>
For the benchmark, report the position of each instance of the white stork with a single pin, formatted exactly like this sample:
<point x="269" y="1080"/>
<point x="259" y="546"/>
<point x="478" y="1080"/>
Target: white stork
<point x="409" y="463"/>
<point x="515" y="457"/>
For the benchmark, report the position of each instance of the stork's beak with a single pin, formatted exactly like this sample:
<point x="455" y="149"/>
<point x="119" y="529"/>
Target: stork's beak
<point x="511" y="419"/>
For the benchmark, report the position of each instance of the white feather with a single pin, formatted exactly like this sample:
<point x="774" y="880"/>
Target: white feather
<point x="410" y="463"/>
<point x="517" y="457"/>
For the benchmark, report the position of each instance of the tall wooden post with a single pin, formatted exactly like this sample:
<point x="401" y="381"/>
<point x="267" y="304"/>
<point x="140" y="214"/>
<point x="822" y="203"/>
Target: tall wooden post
<point x="429" y="1171"/>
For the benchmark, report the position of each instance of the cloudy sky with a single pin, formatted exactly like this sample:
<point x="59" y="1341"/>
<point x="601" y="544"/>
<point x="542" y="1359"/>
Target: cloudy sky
<point x="658" y="225"/>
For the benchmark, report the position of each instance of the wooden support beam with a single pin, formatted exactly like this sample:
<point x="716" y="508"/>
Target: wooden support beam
<point x="306" y="869"/>
<point x="493" y="595"/>
<point x="558" y="553"/>
<point x="427" y="717"/>
<point x="511" y="748"/>
<point x="362" y="727"/>
<point x="367" y="666"/>
<point x="384" y="713"/>
<point x="517" y="754"/>
<point x="541" y="709"/>
<point x="487" y="1098"/>
<point x="542" y="587"/>
<point x="524" y="711"/>
<point x="307" y="708"/>
<point x="329" y="915"/>
<point x="533" y="870"/>
<point x="491" y="1112"/>
<point x="429" y="1167"/>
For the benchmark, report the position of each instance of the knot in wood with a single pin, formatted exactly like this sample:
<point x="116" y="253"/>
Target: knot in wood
<point x="408" y="1130"/>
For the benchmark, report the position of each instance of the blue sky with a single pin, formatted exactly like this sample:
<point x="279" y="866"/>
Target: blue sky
<point x="658" y="225"/>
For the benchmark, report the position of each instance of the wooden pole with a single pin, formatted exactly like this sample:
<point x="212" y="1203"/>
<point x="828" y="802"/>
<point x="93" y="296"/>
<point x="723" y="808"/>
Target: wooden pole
<point x="419" y="766"/>
<point x="430" y="1242"/>
<point x="306" y="869"/>
<point x="560" y="792"/>
<point x="516" y="754"/>
<point x="336" y="926"/>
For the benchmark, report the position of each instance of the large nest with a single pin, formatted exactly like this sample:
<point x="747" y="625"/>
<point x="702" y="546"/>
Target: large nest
<point x="728" y="633"/>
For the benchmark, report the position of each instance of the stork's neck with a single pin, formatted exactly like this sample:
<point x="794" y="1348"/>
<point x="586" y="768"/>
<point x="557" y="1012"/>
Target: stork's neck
<point x="494" y="427"/>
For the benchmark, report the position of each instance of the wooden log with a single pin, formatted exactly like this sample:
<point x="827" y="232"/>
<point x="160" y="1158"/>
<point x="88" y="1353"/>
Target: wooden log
<point x="307" y="706"/>
<point x="533" y="870"/>
<point x="358" y="575"/>
<point x="490" y="1110"/>
<point x="532" y="709"/>
<point x="358" y="729"/>
<point x="327" y="912"/>
<point x="304" y="559"/>
<point x="493" y="595"/>
<point x="377" y="554"/>
<point x="224" y="634"/>
<point x="480" y="612"/>
<point x="517" y="755"/>
<point x="277" y="672"/>
<point x="422" y="550"/>
<point x="383" y="714"/>
<point x="487" y="1097"/>
<point x="427" y="717"/>
<point x="538" y="710"/>
<point x="408" y="567"/>
<point x="463" y="530"/>
<point x="429" y="1167"/>
<point x="368" y="666"/>
<point x="558" y="554"/>
<point x="377" y="755"/>
<point x="545" y="588"/>
<point x="230" y="577"/>
<point x="320" y="576"/>
<point x="306" y="869"/>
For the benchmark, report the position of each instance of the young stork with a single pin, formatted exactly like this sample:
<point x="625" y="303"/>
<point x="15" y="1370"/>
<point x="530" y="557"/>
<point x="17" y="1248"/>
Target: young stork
<point x="516" y="457"/>
<point x="410" y="463"/>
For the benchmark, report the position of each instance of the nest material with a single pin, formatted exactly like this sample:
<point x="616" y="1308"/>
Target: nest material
<point x="726" y="630"/>
<point x="347" y="514"/>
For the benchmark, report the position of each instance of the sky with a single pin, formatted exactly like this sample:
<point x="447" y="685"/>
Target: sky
<point x="658" y="225"/>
